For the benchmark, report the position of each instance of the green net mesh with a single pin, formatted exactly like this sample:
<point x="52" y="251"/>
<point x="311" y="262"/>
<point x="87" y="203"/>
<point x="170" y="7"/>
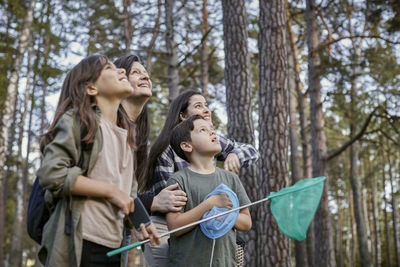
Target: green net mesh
<point x="294" y="207"/>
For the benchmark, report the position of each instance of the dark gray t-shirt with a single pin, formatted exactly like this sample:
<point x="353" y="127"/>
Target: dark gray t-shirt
<point x="194" y="248"/>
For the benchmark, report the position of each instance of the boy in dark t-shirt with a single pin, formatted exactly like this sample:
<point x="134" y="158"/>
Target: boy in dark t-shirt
<point x="195" y="140"/>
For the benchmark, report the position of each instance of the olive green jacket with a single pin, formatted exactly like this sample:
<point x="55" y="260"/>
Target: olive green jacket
<point x="57" y="175"/>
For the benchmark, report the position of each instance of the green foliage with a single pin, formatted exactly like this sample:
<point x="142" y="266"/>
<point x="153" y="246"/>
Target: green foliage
<point x="383" y="65"/>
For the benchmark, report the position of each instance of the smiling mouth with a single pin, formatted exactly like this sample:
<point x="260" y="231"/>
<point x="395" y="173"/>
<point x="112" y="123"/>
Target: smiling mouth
<point x="144" y="85"/>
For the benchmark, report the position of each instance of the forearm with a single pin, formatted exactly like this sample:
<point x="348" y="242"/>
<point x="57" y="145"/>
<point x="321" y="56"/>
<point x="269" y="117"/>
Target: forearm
<point x="85" y="186"/>
<point x="243" y="222"/>
<point x="177" y="219"/>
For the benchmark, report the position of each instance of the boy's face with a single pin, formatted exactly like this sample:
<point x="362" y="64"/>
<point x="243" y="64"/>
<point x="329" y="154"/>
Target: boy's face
<point x="204" y="139"/>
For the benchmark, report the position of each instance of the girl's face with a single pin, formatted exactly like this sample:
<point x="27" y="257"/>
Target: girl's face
<point x="112" y="83"/>
<point x="140" y="81"/>
<point x="197" y="106"/>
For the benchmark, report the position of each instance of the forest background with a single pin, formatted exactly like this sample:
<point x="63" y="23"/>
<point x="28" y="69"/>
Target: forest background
<point x="314" y="85"/>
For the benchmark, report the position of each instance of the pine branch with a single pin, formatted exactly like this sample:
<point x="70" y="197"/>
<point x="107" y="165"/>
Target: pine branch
<point x="352" y="140"/>
<point x="358" y="36"/>
<point x="196" y="47"/>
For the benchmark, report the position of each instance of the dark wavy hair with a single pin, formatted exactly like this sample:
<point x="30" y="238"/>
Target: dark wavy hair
<point x="177" y="106"/>
<point x="73" y="96"/>
<point x="142" y="123"/>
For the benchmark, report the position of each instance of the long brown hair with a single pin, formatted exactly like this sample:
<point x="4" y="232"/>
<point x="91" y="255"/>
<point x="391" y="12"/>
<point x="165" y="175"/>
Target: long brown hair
<point x="142" y="122"/>
<point x="177" y="106"/>
<point x="73" y="96"/>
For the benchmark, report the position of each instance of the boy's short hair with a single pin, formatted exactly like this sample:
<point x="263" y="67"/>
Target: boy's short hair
<point x="181" y="133"/>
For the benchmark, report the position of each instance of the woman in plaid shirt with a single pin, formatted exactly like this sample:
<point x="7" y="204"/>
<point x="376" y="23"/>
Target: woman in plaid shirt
<point x="163" y="162"/>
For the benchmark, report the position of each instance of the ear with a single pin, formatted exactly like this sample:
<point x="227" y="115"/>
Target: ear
<point x="91" y="90"/>
<point x="186" y="147"/>
<point x="182" y="117"/>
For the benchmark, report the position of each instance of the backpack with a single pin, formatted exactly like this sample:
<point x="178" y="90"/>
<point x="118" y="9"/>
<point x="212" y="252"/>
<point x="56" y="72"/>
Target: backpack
<point x="39" y="213"/>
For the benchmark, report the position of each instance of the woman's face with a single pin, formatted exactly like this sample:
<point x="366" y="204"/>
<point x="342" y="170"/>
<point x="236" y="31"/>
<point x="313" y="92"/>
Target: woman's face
<point x="140" y="81"/>
<point x="197" y="106"/>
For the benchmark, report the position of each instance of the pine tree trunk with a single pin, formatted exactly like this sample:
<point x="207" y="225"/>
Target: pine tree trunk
<point x="15" y="257"/>
<point x="10" y="170"/>
<point x="304" y="133"/>
<point x="339" y="226"/>
<point x="239" y="106"/>
<point x="204" y="52"/>
<point x="47" y="40"/>
<point x="28" y="146"/>
<point x="375" y="214"/>
<point x="156" y="29"/>
<point x="393" y="205"/>
<point x="362" y="232"/>
<point x="374" y="211"/>
<point x="128" y="27"/>
<point x="387" y="234"/>
<point x="272" y="44"/>
<point x="300" y="247"/>
<point x="353" y="247"/>
<point x="324" y="251"/>
<point x="12" y="89"/>
<point x="172" y="57"/>
<point x="360" y="216"/>
<point x="9" y="106"/>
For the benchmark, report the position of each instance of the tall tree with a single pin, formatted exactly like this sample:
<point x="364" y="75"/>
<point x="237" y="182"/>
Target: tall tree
<point x="11" y="96"/>
<point x="238" y="99"/>
<point x="205" y="51"/>
<point x="360" y="216"/>
<point x="385" y="212"/>
<point x="15" y="255"/>
<point x="300" y="247"/>
<point x="324" y="251"/>
<point x="393" y="203"/>
<point x="172" y="57"/>
<point x="128" y="26"/>
<point x="273" y="90"/>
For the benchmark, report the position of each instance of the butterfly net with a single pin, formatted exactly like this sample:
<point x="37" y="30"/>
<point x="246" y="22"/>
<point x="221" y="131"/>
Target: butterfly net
<point x="294" y="207"/>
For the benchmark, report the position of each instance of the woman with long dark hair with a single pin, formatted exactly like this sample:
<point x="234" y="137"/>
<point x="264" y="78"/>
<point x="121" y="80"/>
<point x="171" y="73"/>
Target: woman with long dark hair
<point x="163" y="161"/>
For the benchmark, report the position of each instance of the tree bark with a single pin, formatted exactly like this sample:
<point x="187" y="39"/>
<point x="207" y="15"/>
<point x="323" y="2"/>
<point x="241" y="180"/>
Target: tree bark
<point x="374" y="210"/>
<point x="324" y="252"/>
<point x="156" y="29"/>
<point x="28" y="146"/>
<point x="205" y="52"/>
<point x="172" y="57"/>
<point x="47" y="40"/>
<point x="273" y="245"/>
<point x="393" y="204"/>
<point x="353" y="246"/>
<point x="300" y="247"/>
<point x="306" y="158"/>
<point x="339" y="232"/>
<point x="128" y="26"/>
<point x="362" y="226"/>
<point x="15" y="256"/>
<point x="239" y="105"/>
<point x="9" y="103"/>
<point x="387" y="234"/>
<point x="12" y="89"/>
<point x="375" y="214"/>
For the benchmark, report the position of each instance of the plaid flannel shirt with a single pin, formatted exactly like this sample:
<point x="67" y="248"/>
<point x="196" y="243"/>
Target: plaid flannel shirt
<point x="169" y="162"/>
